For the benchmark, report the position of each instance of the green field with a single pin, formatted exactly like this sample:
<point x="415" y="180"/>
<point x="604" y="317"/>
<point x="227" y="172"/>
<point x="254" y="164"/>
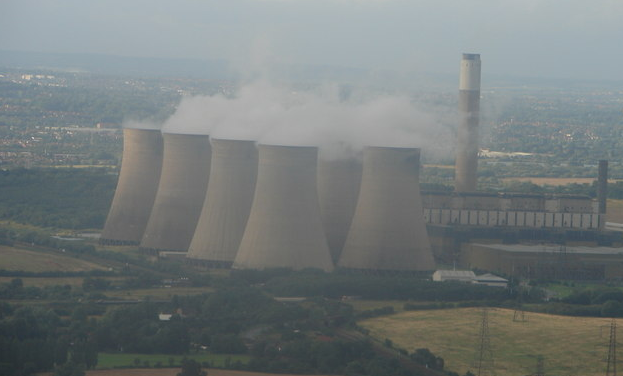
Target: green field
<point x="108" y="360"/>
<point x="12" y="258"/>
<point x="569" y="345"/>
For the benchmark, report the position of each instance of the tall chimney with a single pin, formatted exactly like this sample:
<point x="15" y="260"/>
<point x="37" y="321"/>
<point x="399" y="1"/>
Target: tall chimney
<point x="227" y="203"/>
<point x="136" y="187"/>
<point x="466" y="164"/>
<point x="388" y="230"/>
<point x="181" y="191"/>
<point x="284" y="227"/>
<point x="338" y="189"/>
<point x="602" y="186"/>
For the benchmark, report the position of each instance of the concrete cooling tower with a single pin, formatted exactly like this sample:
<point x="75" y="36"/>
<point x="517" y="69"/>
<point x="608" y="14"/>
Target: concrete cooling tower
<point x="284" y="227"/>
<point x="466" y="164"/>
<point x="338" y="189"/>
<point x="181" y="191"/>
<point x="136" y="188"/>
<point x="388" y="230"/>
<point x="227" y="204"/>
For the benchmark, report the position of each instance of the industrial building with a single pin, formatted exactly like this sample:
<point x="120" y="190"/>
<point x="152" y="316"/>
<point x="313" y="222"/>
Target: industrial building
<point x="511" y="210"/>
<point x="230" y="203"/>
<point x="546" y="261"/>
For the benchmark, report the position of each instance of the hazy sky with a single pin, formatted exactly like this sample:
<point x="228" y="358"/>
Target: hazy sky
<point x="539" y="38"/>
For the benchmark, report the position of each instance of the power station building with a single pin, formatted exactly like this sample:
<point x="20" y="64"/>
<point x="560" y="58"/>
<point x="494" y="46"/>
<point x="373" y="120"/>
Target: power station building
<point x="546" y="261"/>
<point x="232" y="203"/>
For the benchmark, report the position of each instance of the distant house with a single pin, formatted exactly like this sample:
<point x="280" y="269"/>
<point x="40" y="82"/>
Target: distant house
<point x="454" y="275"/>
<point x="490" y="280"/>
<point x="164" y="316"/>
<point x="468" y="276"/>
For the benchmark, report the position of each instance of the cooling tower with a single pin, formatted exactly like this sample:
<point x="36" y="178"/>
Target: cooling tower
<point x="284" y="227"/>
<point x="466" y="165"/>
<point x="338" y="188"/>
<point x="388" y="230"/>
<point x="136" y="188"/>
<point x="181" y="191"/>
<point x="227" y="204"/>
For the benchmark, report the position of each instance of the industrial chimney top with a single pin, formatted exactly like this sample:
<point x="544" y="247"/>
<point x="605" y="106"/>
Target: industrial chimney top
<point x="471" y="56"/>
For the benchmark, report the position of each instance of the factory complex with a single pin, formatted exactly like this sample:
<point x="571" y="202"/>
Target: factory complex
<point x="235" y="203"/>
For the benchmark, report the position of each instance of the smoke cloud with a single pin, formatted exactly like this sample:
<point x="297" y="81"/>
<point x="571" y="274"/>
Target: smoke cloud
<point x="273" y="114"/>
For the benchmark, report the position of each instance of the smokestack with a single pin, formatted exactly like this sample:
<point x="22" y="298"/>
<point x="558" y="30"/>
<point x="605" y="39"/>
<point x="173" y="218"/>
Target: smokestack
<point x="338" y="189"/>
<point x="466" y="164"/>
<point x="227" y="203"/>
<point x="388" y="230"/>
<point x="284" y="227"/>
<point x="602" y="186"/>
<point x="136" y="187"/>
<point x="181" y="191"/>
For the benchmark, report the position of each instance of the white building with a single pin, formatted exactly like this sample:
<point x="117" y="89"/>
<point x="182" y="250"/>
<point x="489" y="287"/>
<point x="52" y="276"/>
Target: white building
<point x="454" y="275"/>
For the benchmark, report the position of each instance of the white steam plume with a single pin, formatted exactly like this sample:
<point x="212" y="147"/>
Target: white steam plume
<point x="273" y="114"/>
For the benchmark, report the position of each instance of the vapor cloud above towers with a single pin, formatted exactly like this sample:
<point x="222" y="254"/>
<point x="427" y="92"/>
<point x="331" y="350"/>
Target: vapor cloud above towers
<point x="276" y="114"/>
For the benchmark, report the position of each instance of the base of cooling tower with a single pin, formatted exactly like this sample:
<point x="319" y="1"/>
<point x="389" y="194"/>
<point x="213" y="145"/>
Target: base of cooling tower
<point x="211" y="264"/>
<point x="116" y="242"/>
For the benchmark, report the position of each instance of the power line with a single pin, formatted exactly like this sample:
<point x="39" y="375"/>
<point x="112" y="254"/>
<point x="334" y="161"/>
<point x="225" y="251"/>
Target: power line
<point x="484" y="355"/>
<point x="611" y="367"/>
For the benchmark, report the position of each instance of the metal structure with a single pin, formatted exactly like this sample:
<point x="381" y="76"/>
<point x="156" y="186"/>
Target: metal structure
<point x="227" y="202"/>
<point x="602" y="186"/>
<point x="540" y="366"/>
<point x="484" y="355"/>
<point x="181" y="191"/>
<point x="611" y="360"/>
<point x="466" y="164"/>
<point x="388" y="231"/>
<point x="338" y="189"/>
<point x="136" y="187"/>
<point x="284" y="227"/>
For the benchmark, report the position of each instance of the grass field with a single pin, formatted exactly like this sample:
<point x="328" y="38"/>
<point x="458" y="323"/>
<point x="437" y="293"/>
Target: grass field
<point x="107" y="360"/>
<point x="569" y="345"/>
<point x="31" y="261"/>
<point x="168" y="372"/>
<point x="46" y="281"/>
